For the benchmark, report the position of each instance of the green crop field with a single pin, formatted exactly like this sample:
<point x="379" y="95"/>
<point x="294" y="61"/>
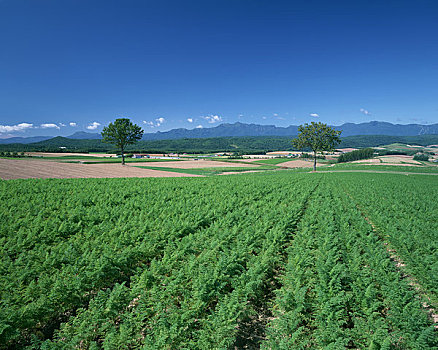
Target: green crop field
<point x="276" y="260"/>
<point x="273" y="161"/>
<point x="211" y="171"/>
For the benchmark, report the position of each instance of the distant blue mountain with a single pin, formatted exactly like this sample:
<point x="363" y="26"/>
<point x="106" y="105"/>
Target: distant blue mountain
<point x="25" y="139"/>
<point x="222" y="130"/>
<point x="82" y="135"/>
<point x="242" y="129"/>
<point x="384" y="128"/>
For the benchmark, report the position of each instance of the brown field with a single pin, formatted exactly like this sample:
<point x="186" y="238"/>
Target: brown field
<point x="296" y="164"/>
<point x="368" y="161"/>
<point x="27" y="169"/>
<point x="390" y="160"/>
<point x="349" y="149"/>
<point x="195" y="164"/>
<point x="48" y="154"/>
<point x="399" y="159"/>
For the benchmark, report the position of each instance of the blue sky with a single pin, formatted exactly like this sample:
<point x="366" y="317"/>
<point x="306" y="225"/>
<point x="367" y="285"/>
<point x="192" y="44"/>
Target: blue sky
<point x="74" y="65"/>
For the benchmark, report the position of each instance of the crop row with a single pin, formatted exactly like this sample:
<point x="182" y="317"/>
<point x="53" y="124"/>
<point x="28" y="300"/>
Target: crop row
<point x="277" y="261"/>
<point x="148" y="263"/>
<point x="340" y="289"/>
<point x="404" y="210"/>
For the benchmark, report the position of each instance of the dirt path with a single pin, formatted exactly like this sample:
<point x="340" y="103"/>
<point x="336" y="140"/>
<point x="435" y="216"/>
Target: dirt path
<point x="40" y="169"/>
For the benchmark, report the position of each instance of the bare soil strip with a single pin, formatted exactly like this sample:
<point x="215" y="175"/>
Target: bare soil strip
<point x="40" y="169"/>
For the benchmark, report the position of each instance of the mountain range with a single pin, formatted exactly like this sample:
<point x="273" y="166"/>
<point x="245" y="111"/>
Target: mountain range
<point x="242" y="129"/>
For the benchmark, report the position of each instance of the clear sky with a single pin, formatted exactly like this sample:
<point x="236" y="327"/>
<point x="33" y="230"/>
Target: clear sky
<point x="76" y="65"/>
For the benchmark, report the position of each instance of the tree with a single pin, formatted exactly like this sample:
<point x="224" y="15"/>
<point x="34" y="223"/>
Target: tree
<point x="318" y="137"/>
<point x="122" y="133"/>
<point x="421" y="156"/>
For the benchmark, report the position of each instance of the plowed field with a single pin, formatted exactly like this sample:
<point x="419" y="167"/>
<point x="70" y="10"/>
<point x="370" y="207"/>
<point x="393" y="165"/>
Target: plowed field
<point x="26" y="169"/>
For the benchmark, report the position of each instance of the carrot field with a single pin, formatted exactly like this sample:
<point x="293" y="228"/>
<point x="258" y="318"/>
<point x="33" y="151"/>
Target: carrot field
<point x="279" y="260"/>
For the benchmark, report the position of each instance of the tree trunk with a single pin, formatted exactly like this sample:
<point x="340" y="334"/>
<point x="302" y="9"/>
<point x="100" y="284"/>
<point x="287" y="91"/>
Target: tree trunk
<point x="123" y="157"/>
<point x="314" y="160"/>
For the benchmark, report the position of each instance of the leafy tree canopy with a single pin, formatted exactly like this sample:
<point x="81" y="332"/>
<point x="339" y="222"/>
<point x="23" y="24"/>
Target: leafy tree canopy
<point x="318" y="137"/>
<point x="122" y="133"/>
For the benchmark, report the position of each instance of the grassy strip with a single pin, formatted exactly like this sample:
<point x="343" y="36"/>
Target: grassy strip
<point x="13" y="157"/>
<point x="235" y="161"/>
<point x="273" y="161"/>
<point x="207" y="171"/>
<point x="412" y="169"/>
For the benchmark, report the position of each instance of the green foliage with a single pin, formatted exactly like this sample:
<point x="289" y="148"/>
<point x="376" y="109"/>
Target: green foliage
<point x="422" y="157"/>
<point x="364" y="153"/>
<point x="339" y="288"/>
<point x="189" y="263"/>
<point x="245" y="145"/>
<point x="272" y="161"/>
<point x="308" y="156"/>
<point x="318" y="137"/>
<point x="122" y="133"/>
<point x="11" y="154"/>
<point x="211" y="171"/>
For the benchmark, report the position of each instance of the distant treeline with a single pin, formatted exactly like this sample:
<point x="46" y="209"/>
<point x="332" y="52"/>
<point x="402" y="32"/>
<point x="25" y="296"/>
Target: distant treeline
<point x="240" y="145"/>
<point x="363" y="153"/>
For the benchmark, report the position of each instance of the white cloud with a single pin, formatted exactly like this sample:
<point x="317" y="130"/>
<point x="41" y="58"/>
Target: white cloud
<point x="151" y="124"/>
<point x="49" y="126"/>
<point x="18" y="127"/>
<point x="364" y="111"/>
<point x="62" y="124"/>
<point x="240" y="116"/>
<point x="157" y="122"/>
<point x="190" y="120"/>
<point x="93" y="126"/>
<point x="73" y="124"/>
<point x="275" y="114"/>
<point x="212" y="118"/>
<point x="199" y="127"/>
<point x="315" y="115"/>
<point x="264" y="118"/>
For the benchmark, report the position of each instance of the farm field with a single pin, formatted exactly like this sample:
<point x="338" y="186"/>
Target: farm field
<point x="280" y="162"/>
<point x="280" y="260"/>
<point x="198" y="164"/>
<point x="69" y="155"/>
<point x="380" y="167"/>
<point x="74" y="166"/>
<point x="30" y="168"/>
